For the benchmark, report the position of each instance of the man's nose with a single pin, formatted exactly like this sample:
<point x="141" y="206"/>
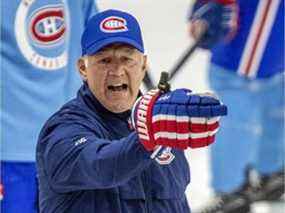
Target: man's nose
<point x="117" y="69"/>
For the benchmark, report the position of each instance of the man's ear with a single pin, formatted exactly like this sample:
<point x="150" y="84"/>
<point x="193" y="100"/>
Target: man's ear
<point x="81" y="65"/>
<point x="144" y="67"/>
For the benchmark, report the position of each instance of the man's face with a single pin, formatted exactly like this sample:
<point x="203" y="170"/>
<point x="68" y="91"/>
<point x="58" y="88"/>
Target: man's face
<point x="114" y="75"/>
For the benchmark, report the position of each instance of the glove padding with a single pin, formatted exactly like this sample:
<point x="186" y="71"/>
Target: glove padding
<point x="177" y="119"/>
<point x="218" y="18"/>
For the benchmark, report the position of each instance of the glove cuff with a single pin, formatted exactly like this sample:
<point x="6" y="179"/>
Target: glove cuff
<point x="142" y="118"/>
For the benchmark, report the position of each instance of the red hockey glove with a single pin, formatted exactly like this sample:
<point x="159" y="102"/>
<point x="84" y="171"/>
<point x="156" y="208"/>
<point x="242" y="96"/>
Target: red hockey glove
<point x="177" y="119"/>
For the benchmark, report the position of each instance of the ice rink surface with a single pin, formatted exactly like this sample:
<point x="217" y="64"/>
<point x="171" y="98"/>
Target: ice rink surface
<point x="166" y="37"/>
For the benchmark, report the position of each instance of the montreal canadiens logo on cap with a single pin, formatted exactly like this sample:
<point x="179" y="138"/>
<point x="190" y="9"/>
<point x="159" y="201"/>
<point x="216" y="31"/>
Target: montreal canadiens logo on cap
<point x="113" y="24"/>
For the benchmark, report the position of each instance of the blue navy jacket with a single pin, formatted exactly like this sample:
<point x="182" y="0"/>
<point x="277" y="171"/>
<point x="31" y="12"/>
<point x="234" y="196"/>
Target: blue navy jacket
<point x="89" y="161"/>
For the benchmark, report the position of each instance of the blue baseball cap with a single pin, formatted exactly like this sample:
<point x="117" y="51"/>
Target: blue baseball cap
<point x="108" y="27"/>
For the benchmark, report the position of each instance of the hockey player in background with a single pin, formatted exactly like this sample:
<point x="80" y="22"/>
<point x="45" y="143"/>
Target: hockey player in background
<point x="40" y="41"/>
<point x="246" y="39"/>
<point x="91" y="159"/>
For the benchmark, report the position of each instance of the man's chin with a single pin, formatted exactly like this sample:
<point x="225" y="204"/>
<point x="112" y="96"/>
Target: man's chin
<point x="119" y="108"/>
<point x="118" y="105"/>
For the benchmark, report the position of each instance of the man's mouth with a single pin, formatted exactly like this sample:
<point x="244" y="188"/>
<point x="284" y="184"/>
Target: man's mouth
<point x="118" y="87"/>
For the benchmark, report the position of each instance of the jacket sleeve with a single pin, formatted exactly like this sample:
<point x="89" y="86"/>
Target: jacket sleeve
<point x="75" y="158"/>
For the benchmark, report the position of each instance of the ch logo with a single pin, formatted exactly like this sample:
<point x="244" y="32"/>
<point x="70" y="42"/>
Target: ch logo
<point x="166" y="157"/>
<point x="47" y="25"/>
<point x="40" y="35"/>
<point x="113" y="24"/>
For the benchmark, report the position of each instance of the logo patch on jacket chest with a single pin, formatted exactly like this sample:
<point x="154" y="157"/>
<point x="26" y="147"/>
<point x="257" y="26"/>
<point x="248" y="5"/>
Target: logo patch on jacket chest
<point x="166" y="157"/>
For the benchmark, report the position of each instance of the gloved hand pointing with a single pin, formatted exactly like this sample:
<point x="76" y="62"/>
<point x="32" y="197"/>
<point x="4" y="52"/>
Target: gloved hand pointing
<point x="177" y="119"/>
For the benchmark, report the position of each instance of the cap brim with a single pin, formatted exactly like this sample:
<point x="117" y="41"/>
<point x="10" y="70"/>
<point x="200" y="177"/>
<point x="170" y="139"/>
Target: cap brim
<point x="94" y="48"/>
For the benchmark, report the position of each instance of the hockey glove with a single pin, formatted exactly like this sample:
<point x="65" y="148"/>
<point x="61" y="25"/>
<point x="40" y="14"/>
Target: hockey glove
<point x="177" y="119"/>
<point x="212" y="21"/>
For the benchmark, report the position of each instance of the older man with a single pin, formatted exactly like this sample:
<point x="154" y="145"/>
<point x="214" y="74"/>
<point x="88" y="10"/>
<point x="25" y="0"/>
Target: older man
<point x="91" y="159"/>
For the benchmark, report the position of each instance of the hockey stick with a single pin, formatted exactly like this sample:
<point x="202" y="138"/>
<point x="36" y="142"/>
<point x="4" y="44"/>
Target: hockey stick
<point x="177" y="66"/>
<point x="148" y="81"/>
<point x="182" y="60"/>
